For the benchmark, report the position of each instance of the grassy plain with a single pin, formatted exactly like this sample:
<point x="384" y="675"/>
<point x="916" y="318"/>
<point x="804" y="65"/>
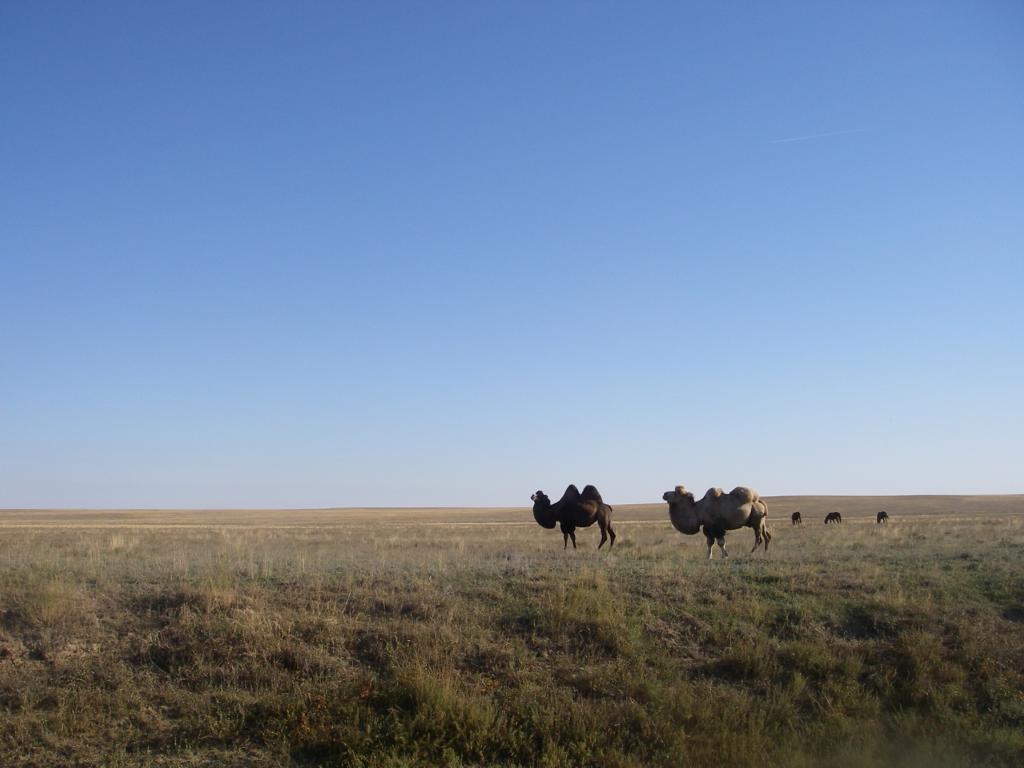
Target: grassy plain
<point x="468" y="637"/>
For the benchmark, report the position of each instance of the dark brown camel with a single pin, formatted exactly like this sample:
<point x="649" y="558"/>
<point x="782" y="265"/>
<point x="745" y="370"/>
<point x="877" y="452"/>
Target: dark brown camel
<point x="574" y="510"/>
<point x="797" y="520"/>
<point x="883" y="517"/>
<point x="833" y="517"/>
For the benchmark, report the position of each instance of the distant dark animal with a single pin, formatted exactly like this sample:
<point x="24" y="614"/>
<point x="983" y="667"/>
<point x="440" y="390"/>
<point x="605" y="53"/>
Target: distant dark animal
<point x="883" y="517"/>
<point x="717" y="513"/>
<point x="574" y="510"/>
<point x="797" y="520"/>
<point x="833" y="517"/>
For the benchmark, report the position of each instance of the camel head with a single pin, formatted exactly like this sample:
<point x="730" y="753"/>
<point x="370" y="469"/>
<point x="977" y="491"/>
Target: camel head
<point x="542" y="512"/>
<point x="681" y="510"/>
<point x="679" y="494"/>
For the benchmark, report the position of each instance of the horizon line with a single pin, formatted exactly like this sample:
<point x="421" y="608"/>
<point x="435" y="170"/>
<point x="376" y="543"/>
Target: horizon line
<point x="148" y="508"/>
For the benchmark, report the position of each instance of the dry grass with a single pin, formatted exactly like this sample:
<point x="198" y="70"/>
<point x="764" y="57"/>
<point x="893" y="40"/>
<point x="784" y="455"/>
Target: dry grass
<point x="438" y="637"/>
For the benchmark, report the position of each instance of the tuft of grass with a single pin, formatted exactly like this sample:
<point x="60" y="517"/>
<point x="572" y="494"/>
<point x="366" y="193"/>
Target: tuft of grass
<point x="53" y="604"/>
<point x="583" y="618"/>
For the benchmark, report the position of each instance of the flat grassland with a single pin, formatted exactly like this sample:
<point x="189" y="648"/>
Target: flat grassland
<point x="377" y="637"/>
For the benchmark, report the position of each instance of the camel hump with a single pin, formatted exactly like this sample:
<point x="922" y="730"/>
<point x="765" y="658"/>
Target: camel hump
<point x="590" y="493"/>
<point x="743" y="495"/>
<point x="571" y="493"/>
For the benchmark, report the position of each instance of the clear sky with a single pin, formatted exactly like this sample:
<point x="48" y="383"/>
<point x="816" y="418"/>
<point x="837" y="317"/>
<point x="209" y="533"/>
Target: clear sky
<point x="327" y="254"/>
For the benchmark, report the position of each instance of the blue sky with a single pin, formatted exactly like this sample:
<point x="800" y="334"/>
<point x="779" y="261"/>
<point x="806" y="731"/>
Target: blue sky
<point x="446" y="254"/>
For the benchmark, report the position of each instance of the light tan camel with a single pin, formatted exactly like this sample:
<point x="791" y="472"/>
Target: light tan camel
<point x="717" y="513"/>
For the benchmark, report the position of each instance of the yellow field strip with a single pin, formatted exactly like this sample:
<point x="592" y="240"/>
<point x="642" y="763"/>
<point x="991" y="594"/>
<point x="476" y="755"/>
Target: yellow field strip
<point x="858" y="520"/>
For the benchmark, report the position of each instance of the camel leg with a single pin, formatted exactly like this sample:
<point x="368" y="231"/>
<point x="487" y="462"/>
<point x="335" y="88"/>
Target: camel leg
<point x="604" y="534"/>
<point x="572" y="535"/>
<point x="611" y="532"/>
<point x="565" y="541"/>
<point x="761" y="535"/>
<point x="721" y="546"/>
<point x="711" y="543"/>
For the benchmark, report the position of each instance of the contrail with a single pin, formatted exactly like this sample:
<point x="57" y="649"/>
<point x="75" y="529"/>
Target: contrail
<point x="818" y="135"/>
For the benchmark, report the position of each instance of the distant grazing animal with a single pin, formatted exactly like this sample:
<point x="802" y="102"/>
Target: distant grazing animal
<point x="883" y="517"/>
<point x="797" y="520"/>
<point x="717" y="513"/>
<point x="833" y="517"/>
<point x="574" y="510"/>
